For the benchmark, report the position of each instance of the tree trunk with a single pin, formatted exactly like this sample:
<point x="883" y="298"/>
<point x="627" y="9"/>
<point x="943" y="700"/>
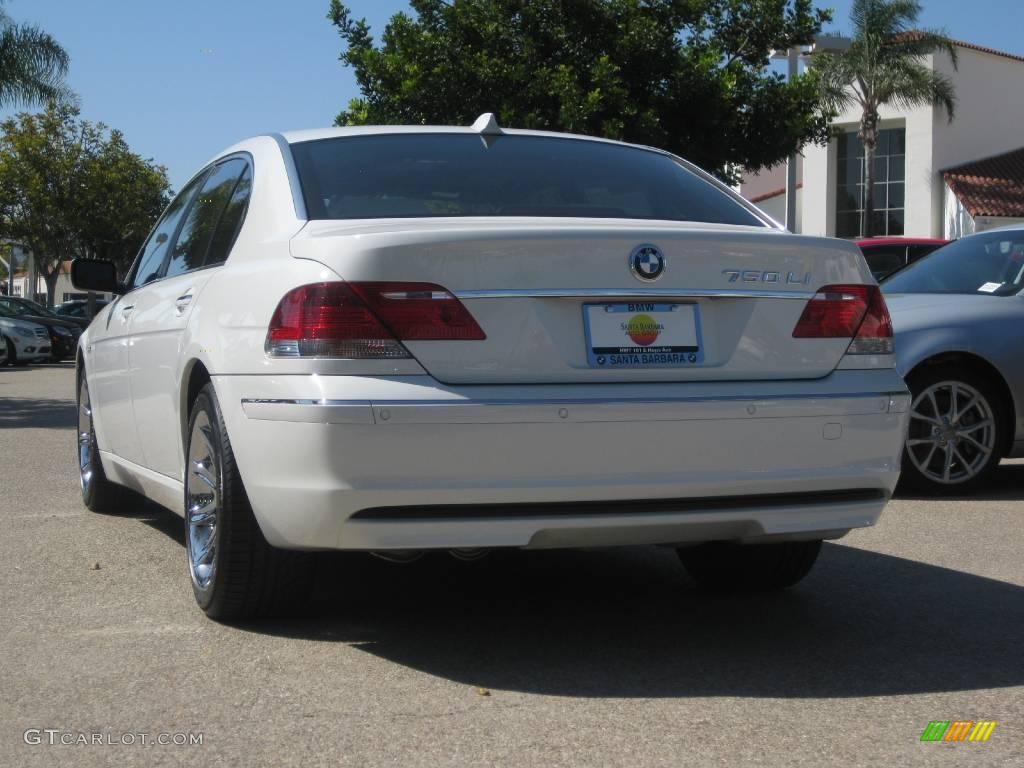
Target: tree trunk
<point x="51" y="286"/>
<point x="869" y="138"/>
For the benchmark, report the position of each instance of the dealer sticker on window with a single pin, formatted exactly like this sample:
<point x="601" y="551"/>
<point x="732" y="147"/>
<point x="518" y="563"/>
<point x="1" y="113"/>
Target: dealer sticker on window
<point x="642" y="335"/>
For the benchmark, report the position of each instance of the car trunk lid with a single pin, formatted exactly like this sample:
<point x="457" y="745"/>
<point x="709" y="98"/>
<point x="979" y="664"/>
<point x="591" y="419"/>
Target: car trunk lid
<point x="549" y="295"/>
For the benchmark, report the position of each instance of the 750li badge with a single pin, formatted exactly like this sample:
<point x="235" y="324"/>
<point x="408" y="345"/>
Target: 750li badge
<point x="757" y="276"/>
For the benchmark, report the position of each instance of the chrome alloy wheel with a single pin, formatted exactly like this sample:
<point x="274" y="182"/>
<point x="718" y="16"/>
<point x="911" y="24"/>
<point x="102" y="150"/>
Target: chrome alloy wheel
<point x="84" y="436"/>
<point x="202" y="502"/>
<point x="952" y="432"/>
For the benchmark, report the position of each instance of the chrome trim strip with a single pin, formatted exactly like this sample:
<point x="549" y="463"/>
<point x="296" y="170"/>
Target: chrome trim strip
<point x="396" y="413"/>
<point x="632" y="293"/>
<point x="309" y="411"/>
<point x="577" y="400"/>
<point x="556" y="410"/>
<point x="284" y="401"/>
<point x="404" y="295"/>
<point x="292" y="173"/>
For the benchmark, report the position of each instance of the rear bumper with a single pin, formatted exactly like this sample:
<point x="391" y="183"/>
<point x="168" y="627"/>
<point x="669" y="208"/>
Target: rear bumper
<point x="348" y="462"/>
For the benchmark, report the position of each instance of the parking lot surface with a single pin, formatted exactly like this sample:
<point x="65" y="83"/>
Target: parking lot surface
<point x="547" y="659"/>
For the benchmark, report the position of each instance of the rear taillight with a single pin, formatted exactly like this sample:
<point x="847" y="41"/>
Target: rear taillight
<point x="328" y="320"/>
<point x="855" y="312"/>
<point x="420" y="311"/>
<point x="874" y="337"/>
<point x="365" y="320"/>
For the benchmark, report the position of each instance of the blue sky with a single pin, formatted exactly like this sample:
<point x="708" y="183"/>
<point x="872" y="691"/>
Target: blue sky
<point x="142" y="66"/>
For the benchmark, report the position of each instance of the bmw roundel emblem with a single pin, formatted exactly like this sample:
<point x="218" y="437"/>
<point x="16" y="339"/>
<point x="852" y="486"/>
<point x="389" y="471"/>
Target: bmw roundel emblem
<point x="647" y="262"/>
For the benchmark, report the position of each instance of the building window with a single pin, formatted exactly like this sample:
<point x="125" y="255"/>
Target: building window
<point x="890" y="167"/>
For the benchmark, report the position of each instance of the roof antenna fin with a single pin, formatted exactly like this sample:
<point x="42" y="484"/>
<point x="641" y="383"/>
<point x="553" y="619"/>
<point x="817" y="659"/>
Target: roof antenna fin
<point x="487" y="126"/>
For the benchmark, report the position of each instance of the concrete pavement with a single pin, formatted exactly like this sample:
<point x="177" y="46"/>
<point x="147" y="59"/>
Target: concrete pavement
<point x="547" y="659"/>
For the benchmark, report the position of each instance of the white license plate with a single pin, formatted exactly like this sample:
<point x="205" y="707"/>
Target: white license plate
<point x="642" y="335"/>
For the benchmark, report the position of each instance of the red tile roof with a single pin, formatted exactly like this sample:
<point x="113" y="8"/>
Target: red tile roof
<point x="992" y="186"/>
<point x="913" y="34"/>
<point x="993" y="51"/>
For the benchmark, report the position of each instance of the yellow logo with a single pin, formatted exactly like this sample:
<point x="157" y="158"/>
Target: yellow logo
<point x="643" y="330"/>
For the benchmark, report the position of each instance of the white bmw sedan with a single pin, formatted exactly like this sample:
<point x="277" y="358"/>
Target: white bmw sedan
<point x="400" y="339"/>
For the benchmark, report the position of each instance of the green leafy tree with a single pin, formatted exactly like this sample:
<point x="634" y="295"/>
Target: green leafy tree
<point x="122" y="198"/>
<point x="884" y="65"/>
<point x="690" y="76"/>
<point x="71" y="188"/>
<point x="32" y="64"/>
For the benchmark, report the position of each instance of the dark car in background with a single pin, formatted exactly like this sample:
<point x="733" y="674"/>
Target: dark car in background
<point x="78" y="309"/>
<point x="23" y="306"/>
<point x="63" y="332"/>
<point x="887" y="254"/>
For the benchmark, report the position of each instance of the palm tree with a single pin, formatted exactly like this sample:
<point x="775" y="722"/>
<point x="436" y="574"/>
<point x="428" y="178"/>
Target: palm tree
<point x="32" y="64"/>
<point x="884" y="65"/>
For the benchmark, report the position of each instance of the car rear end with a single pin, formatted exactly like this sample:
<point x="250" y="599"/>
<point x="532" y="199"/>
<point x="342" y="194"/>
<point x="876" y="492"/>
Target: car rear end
<point x="611" y="349"/>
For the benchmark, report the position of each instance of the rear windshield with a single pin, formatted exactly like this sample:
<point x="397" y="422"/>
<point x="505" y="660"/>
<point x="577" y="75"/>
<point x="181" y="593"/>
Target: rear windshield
<point x="428" y="175"/>
<point x="989" y="263"/>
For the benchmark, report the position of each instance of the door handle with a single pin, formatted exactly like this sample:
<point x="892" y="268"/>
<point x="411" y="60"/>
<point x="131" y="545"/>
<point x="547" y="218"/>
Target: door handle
<point x="125" y="311"/>
<point x="181" y="302"/>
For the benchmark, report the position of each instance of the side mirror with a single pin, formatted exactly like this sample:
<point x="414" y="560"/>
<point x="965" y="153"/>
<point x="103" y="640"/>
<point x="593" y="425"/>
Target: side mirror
<point x="95" y="275"/>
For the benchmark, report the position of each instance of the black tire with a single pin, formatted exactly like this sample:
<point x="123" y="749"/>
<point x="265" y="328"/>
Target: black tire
<point x="98" y="493"/>
<point x="912" y="478"/>
<point x="249" y="577"/>
<point x="726" y="567"/>
<point x="12" y="356"/>
<point x="9" y="350"/>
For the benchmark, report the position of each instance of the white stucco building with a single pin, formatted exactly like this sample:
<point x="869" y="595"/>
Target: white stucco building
<point x="21" y="285"/>
<point x="929" y="173"/>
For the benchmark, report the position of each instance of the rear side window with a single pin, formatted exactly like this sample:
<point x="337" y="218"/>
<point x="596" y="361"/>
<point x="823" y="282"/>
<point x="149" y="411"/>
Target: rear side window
<point x="430" y="175"/>
<point x="151" y="258"/>
<point x="197" y="231"/>
<point x="230" y="221"/>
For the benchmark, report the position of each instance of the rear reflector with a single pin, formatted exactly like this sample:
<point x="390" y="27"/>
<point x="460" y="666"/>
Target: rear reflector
<point x="855" y="312"/>
<point x="365" y="320"/>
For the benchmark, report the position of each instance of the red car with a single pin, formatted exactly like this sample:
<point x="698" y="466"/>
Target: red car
<point x="887" y="254"/>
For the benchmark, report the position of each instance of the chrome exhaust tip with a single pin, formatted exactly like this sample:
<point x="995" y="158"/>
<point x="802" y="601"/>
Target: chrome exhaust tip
<point x="469" y="555"/>
<point x="401" y="556"/>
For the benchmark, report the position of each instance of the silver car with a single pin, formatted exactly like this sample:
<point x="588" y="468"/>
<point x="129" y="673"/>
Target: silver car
<point x="958" y="316"/>
<point x="23" y="342"/>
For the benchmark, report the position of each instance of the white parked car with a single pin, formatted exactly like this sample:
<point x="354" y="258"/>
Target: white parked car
<point x="401" y="339"/>
<point x="22" y="342"/>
